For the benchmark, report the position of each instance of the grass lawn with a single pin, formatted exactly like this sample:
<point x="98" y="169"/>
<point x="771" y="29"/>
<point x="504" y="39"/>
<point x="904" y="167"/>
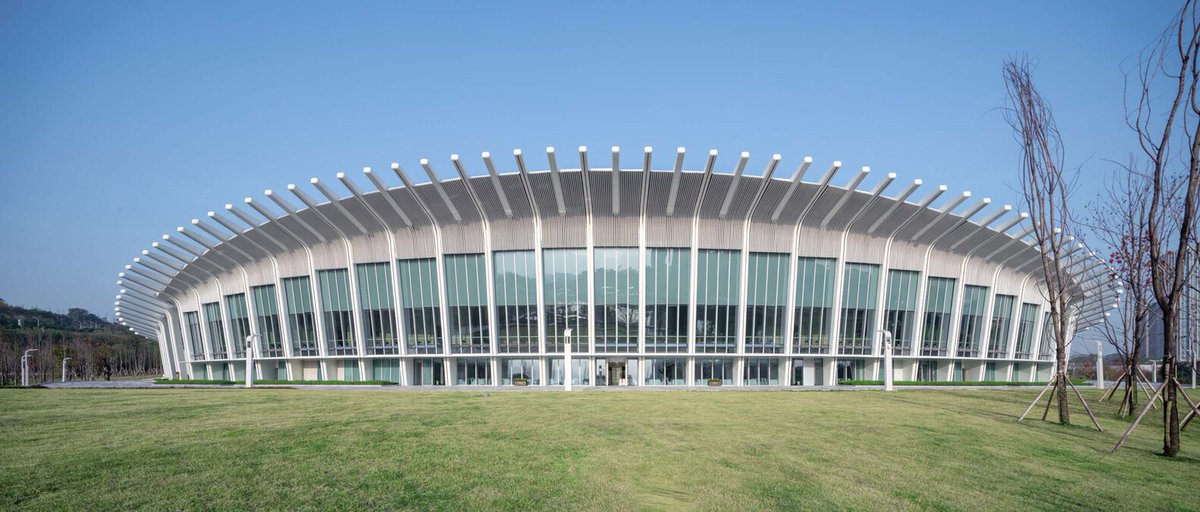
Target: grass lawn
<point x="225" y="449"/>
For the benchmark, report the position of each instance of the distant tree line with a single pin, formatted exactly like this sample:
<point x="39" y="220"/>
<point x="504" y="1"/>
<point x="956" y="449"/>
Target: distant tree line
<point x="97" y="348"/>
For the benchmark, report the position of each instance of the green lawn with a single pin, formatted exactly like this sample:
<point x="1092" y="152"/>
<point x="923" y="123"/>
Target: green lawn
<point x="224" y="449"/>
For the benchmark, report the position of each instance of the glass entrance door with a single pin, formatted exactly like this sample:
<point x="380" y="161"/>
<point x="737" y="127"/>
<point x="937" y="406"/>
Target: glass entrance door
<point x="616" y="374"/>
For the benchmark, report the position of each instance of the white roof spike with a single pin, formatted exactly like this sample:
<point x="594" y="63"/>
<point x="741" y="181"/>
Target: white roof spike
<point x="485" y="154"/>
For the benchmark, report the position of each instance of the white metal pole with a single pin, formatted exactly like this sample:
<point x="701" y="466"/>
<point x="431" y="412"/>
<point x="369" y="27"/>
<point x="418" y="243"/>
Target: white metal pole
<point x="25" y="366"/>
<point x="1099" y="365"/>
<point x="567" y="360"/>
<point x="887" y="360"/>
<point x="250" y="360"/>
<point x="64" y="375"/>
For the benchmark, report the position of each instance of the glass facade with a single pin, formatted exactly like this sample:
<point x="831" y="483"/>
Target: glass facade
<point x="616" y="299"/>
<point x="860" y="292"/>
<point x="512" y="369"/>
<point x="1001" y="329"/>
<point x="814" y="305"/>
<point x="766" y="303"/>
<point x="191" y="321"/>
<point x="386" y="369"/>
<point x="1026" y="330"/>
<point x="579" y="372"/>
<point x="666" y="371"/>
<point x="216" y="330"/>
<point x="302" y="326"/>
<point x="377" y="308"/>
<point x="266" y="309"/>
<point x="668" y="293"/>
<point x="760" y="371"/>
<point x="709" y="370"/>
<point x="1046" y="347"/>
<point x="466" y="298"/>
<point x="337" y="311"/>
<point x="421" y="312"/>
<point x="515" y="286"/>
<point x="718" y="279"/>
<point x="939" y="308"/>
<point x="565" y="291"/>
<point x="900" y="309"/>
<point x="473" y="371"/>
<point x="970" y="326"/>
<point x="239" y="323"/>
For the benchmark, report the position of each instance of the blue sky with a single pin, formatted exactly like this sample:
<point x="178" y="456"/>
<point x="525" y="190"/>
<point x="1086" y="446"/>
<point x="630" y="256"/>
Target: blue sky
<point x="121" y="120"/>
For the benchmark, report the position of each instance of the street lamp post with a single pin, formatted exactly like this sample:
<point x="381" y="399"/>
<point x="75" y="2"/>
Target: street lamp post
<point x="567" y="360"/>
<point x="64" y="377"/>
<point x="250" y="360"/>
<point x="887" y="360"/>
<point x="25" y="367"/>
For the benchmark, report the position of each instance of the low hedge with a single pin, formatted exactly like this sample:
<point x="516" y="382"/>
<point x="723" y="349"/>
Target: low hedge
<point x="276" y="381"/>
<point x="1077" y="382"/>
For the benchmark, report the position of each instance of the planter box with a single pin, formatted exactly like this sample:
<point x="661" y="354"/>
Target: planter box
<point x="520" y="383"/>
<point x="714" y="382"/>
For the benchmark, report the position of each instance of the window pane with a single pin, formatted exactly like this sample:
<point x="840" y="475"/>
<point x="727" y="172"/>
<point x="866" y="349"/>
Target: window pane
<point x="267" y="320"/>
<point x="421" y="312"/>
<point x="939" y="308"/>
<point x="337" y="311"/>
<point x="515" y="286"/>
<point x="860" y="291"/>
<point x="616" y="296"/>
<point x="814" y="305"/>
<point x="668" y="293"/>
<point x="565" y="290"/>
<point x="766" y="302"/>
<point x="970" y="328"/>
<point x="378" y="308"/>
<point x="297" y="298"/>
<point x="717" y="286"/>
<point x="239" y="322"/>
<point x="216" y="330"/>
<point x="192" y="319"/>
<point x="900" y="309"/>
<point x="1001" y="329"/>
<point x="466" y="298"/>
<point x="1025" y="332"/>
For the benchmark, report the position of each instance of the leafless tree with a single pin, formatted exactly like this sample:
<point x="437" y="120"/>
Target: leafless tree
<point x="1166" y="119"/>
<point x="1046" y="188"/>
<point x="1118" y="219"/>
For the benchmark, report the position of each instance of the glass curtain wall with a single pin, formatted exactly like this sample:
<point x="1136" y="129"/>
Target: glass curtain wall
<point x="466" y="296"/>
<point x="239" y="323"/>
<point x="668" y="292"/>
<point x="860" y="292"/>
<point x="266" y="320"/>
<point x="515" y="286"/>
<point x="302" y="326"/>
<point x="814" y="305"/>
<point x="565" y="291"/>
<point x="527" y="369"/>
<point x="473" y="371"/>
<point x="900" y="309"/>
<point x="422" y="313"/>
<point x="760" y="371"/>
<point x="616" y="296"/>
<point x="579" y="372"/>
<point x="337" y="311"/>
<point x="766" y="303"/>
<point x="192" y="320"/>
<point x="939" y="308"/>
<point x="384" y="369"/>
<point x="377" y="308"/>
<point x="718" y="279"/>
<point x="1047" y="347"/>
<point x="666" y="371"/>
<point x="970" y="326"/>
<point x="1025" y="330"/>
<point x="1001" y="329"/>
<point x="216" y="330"/>
<point x="714" y="369"/>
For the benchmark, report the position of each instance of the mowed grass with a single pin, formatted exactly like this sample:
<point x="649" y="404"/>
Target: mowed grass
<point x="227" y="449"/>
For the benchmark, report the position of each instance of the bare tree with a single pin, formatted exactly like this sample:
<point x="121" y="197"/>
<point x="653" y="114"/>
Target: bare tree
<point x="1118" y="218"/>
<point x="1168" y="75"/>
<point x="1046" y="189"/>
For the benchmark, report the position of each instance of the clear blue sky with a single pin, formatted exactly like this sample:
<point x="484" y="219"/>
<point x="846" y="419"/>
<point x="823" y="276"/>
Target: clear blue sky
<point x="121" y="120"/>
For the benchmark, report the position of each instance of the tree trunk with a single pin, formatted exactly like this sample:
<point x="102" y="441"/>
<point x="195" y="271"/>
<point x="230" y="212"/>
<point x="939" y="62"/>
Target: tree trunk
<point x="1170" y="398"/>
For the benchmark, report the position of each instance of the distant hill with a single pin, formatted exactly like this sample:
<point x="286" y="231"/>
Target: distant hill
<point x="75" y="319"/>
